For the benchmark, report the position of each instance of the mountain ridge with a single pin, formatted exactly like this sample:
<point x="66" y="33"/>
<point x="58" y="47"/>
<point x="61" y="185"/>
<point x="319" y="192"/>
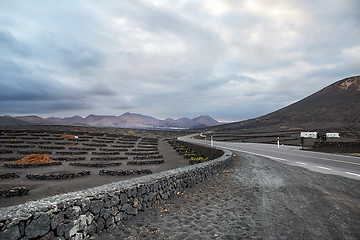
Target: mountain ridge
<point x="126" y="120"/>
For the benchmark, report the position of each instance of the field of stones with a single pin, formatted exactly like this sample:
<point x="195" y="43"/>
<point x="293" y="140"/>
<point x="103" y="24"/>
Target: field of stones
<point x="40" y="163"/>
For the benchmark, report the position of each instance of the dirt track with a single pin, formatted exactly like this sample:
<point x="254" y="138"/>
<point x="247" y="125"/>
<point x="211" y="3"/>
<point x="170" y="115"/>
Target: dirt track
<point x="255" y="199"/>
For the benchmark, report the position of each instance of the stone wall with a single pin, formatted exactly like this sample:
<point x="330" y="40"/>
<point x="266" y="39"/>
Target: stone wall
<point x="12" y="192"/>
<point x="337" y="147"/>
<point x="84" y="214"/>
<point x="30" y="165"/>
<point x="212" y="153"/>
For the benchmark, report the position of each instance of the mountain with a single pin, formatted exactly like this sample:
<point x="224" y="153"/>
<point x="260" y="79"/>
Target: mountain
<point x="99" y="121"/>
<point x="204" y="121"/>
<point x="39" y="121"/>
<point x="336" y="106"/>
<point x="132" y="119"/>
<point x="127" y="120"/>
<point x="74" y="119"/>
<point x="8" y="120"/>
<point x="198" y="122"/>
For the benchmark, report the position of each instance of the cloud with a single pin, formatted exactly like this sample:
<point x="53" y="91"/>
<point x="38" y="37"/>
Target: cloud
<point x="230" y="59"/>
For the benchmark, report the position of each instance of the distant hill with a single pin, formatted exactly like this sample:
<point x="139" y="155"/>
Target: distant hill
<point x="127" y="120"/>
<point x="336" y="106"/>
<point x="8" y="120"/>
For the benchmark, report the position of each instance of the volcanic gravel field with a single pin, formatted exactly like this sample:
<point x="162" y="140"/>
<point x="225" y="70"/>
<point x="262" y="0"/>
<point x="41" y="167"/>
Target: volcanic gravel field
<point x="256" y="198"/>
<point x="82" y="160"/>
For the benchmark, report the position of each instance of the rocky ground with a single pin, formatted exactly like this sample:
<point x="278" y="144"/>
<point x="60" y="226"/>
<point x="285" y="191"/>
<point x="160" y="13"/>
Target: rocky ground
<point x="22" y="138"/>
<point x="256" y="198"/>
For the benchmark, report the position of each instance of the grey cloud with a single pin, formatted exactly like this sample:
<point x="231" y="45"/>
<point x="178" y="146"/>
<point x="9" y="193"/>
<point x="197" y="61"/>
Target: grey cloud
<point x="79" y="58"/>
<point x="10" y="45"/>
<point x="171" y="59"/>
<point x="42" y="107"/>
<point x="18" y="83"/>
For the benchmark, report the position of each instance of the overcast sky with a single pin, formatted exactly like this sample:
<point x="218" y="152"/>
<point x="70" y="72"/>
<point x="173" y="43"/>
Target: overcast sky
<point x="230" y="59"/>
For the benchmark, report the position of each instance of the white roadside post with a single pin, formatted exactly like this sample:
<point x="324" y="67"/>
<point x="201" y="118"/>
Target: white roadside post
<point x="278" y="142"/>
<point x="212" y="141"/>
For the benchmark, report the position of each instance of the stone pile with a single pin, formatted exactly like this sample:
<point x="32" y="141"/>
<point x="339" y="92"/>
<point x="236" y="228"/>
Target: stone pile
<point x="145" y="149"/>
<point x="9" y="175"/>
<point x="108" y="158"/>
<point x="30" y="165"/>
<point x="96" y="165"/>
<point x="13" y="192"/>
<point x="82" y="148"/>
<point x="145" y="162"/>
<point x="142" y="153"/>
<point x="106" y="153"/>
<point x="9" y="159"/>
<point x="5" y="151"/>
<point x="26" y="152"/>
<point x="103" y="141"/>
<point x="148" y="157"/>
<point x="122" y="146"/>
<point x="69" y="158"/>
<point x="20" y="146"/>
<point x="57" y="176"/>
<point x="52" y="147"/>
<point x="113" y="150"/>
<point x="71" y="153"/>
<point x="125" y="172"/>
<point x="94" y="144"/>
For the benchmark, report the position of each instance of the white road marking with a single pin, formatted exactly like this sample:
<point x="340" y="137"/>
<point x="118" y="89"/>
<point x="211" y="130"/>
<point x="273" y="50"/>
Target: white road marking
<point x="282" y="159"/>
<point x="269" y="146"/>
<point x="261" y="155"/>
<point x="355" y="174"/>
<point x="326" y="168"/>
<point x="301" y="155"/>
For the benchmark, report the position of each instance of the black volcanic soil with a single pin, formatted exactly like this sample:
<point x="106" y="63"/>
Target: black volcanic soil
<point x="256" y="198"/>
<point x="45" y="188"/>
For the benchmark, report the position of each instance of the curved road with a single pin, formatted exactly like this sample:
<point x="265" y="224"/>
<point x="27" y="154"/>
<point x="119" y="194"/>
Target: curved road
<point x="343" y="165"/>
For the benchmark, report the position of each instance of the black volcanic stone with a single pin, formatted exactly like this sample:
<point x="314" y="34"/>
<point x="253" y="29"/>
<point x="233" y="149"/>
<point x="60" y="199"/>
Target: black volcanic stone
<point x="30" y="165"/>
<point x="59" y="176"/>
<point x="9" y="175"/>
<point x="145" y="162"/>
<point x="96" y="164"/>
<point x="38" y="227"/>
<point x="96" y="206"/>
<point x="124" y="172"/>
<point x="11" y="233"/>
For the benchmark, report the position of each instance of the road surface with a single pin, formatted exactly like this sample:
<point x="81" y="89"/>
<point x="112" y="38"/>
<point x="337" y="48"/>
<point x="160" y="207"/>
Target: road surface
<point x="347" y="166"/>
<point x="256" y="198"/>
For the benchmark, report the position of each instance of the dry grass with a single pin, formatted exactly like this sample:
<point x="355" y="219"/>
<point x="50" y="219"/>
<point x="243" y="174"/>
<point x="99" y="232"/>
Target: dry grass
<point x="35" y="158"/>
<point x="69" y="136"/>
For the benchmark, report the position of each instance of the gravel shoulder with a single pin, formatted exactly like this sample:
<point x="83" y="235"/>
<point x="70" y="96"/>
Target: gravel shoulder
<point x="256" y="198"/>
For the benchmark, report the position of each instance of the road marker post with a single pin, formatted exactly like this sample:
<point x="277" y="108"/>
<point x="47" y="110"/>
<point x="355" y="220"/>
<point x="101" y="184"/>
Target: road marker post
<point x="278" y="142"/>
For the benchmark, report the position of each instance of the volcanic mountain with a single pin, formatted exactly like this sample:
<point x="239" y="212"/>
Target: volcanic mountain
<point x="336" y="106"/>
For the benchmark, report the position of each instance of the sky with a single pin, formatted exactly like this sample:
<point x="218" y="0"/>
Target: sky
<point x="230" y="59"/>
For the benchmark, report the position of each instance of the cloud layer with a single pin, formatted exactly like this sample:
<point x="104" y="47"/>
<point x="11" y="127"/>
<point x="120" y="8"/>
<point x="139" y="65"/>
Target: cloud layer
<point x="231" y="59"/>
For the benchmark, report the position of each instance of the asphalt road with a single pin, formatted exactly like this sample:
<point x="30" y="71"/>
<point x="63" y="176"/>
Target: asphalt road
<point x="347" y="166"/>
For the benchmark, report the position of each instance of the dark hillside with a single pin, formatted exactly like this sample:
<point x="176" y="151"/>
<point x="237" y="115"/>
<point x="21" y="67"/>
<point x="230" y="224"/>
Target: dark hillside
<point x="337" y="106"/>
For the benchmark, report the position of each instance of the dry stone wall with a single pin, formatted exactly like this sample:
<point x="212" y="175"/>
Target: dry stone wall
<point x="84" y="214"/>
